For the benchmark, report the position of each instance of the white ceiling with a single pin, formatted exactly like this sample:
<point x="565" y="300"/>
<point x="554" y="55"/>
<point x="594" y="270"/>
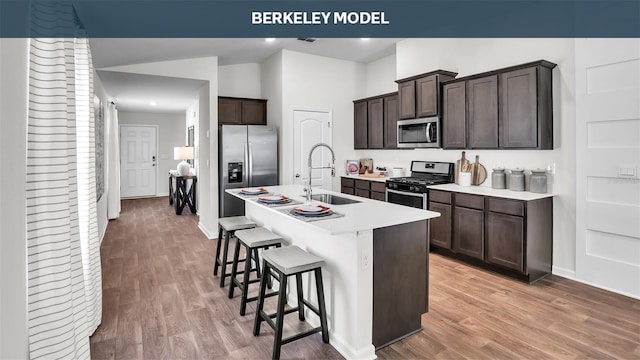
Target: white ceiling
<point x="134" y="92"/>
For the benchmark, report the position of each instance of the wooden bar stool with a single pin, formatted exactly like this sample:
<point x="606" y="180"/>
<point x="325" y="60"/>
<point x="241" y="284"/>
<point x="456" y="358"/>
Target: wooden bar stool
<point x="288" y="261"/>
<point x="228" y="226"/>
<point x="252" y="240"/>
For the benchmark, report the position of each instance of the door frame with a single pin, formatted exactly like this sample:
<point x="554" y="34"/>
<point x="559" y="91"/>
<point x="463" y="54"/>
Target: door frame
<point x="292" y="111"/>
<point x="157" y="127"/>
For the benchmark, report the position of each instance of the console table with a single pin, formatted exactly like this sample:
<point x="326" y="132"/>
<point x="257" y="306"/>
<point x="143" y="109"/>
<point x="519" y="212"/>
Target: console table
<point x="182" y="195"/>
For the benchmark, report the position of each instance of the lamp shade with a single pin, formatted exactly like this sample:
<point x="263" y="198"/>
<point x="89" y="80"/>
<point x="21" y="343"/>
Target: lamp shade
<point x="183" y="153"/>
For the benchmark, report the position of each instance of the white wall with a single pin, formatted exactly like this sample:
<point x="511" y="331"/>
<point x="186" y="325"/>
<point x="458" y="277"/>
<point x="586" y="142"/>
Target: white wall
<point x="381" y="76"/>
<point x="207" y="127"/>
<point x="271" y="80"/>
<point x="470" y="56"/>
<point x="241" y="80"/>
<point x="171" y="129"/>
<point x="317" y="82"/>
<point x="101" y="206"/>
<point x="14" y="62"/>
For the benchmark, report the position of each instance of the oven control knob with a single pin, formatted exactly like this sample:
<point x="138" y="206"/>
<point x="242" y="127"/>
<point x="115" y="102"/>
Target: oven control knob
<point x="395" y="186"/>
<point x="412" y="188"/>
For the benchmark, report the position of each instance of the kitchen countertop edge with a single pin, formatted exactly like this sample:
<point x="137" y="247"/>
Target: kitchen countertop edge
<point x="487" y="191"/>
<point x="360" y="177"/>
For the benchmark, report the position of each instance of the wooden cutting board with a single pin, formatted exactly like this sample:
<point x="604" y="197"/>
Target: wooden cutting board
<point x="478" y="172"/>
<point x="460" y="164"/>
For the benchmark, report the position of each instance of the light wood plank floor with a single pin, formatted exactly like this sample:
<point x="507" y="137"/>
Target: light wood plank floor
<point x="161" y="301"/>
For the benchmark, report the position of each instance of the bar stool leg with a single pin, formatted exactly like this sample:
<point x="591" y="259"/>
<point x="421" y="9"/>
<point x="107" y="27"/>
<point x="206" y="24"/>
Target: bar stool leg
<point x="223" y="262"/>
<point x="300" y="297"/>
<point x="234" y="268"/>
<point x="282" y="300"/>
<point x="257" y="323"/>
<point x="245" y="282"/>
<point x="217" y="262"/>
<point x="257" y="260"/>
<point x="321" y="306"/>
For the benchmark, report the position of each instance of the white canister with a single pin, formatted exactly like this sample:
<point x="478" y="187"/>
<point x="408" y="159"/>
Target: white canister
<point x="465" y="179"/>
<point x="397" y="172"/>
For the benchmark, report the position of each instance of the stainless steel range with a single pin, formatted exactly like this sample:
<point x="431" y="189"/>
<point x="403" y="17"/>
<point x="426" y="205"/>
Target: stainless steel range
<point x="412" y="190"/>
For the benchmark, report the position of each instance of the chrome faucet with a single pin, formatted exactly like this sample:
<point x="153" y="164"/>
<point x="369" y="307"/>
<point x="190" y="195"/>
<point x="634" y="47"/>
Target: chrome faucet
<point x="307" y="188"/>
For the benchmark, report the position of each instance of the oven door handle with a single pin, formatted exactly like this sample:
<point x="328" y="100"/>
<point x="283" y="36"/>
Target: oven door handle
<point x="405" y="193"/>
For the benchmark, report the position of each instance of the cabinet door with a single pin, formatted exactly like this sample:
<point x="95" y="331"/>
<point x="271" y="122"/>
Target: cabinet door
<point x="468" y="232"/>
<point x="483" y="112"/>
<point x="347" y="190"/>
<point x="254" y="112"/>
<point x="375" y="124"/>
<point x="454" y="120"/>
<point x="505" y="240"/>
<point x="518" y="109"/>
<point x="407" y="99"/>
<point x="391" y="122"/>
<point x="229" y="111"/>
<point x="362" y="193"/>
<point x="360" y="125"/>
<point x="440" y="227"/>
<point x="377" y="195"/>
<point x="427" y="96"/>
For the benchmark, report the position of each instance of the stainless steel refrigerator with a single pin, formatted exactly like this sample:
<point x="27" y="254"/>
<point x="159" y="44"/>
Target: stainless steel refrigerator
<point x="247" y="157"/>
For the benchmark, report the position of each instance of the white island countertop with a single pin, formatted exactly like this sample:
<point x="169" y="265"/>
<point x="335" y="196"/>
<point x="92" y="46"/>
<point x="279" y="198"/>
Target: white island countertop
<point x="487" y="191"/>
<point x="366" y="215"/>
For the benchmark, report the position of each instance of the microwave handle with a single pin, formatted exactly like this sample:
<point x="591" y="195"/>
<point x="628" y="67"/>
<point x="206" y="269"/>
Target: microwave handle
<point x="428" y="132"/>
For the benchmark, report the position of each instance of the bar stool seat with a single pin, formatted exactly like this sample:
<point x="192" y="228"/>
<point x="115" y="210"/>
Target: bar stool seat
<point x="252" y="240"/>
<point x="288" y="261"/>
<point x="228" y="226"/>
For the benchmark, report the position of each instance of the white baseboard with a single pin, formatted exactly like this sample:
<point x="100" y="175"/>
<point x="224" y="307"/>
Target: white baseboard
<point x="162" y="194"/>
<point x="206" y="232"/>
<point x="565" y="273"/>
<point x="571" y="275"/>
<point x="104" y="232"/>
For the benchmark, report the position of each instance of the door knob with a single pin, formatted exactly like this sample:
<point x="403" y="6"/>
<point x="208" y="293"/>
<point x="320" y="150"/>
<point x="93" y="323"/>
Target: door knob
<point x="297" y="175"/>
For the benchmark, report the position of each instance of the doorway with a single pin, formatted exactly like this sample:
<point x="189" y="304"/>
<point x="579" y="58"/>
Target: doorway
<point x="309" y="128"/>
<point x="138" y="162"/>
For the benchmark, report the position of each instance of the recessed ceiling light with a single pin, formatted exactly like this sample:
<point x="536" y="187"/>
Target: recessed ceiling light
<point x="365" y="39"/>
<point x="270" y="39"/>
<point x="153" y="103"/>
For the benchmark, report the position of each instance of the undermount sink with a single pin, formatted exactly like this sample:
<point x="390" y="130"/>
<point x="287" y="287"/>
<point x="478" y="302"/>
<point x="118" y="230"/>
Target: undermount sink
<point x="333" y="199"/>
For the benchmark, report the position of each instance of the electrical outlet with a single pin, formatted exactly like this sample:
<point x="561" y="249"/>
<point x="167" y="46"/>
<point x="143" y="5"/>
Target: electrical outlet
<point x="551" y="168"/>
<point x="365" y="260"/>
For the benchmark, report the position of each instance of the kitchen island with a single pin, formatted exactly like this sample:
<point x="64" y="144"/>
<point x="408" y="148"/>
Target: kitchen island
<point x="376" y="273"/>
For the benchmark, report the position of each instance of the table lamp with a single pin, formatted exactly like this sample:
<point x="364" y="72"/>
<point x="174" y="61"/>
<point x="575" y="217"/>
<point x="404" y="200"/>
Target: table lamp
<point x="183" y="153"/>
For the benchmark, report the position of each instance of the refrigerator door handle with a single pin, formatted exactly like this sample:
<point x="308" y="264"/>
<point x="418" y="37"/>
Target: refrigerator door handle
<point x="245" y="175"/>
<point x="250" y="165"/>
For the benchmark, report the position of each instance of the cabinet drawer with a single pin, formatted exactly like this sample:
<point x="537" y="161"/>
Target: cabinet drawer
<point x="347" y="182"/>
<point x="362" y="184"/>
<point x="378" y="186"/>
<point x="440" y="196"/>
<point x="511" y="207"/>
<point x="470" y="201"/>
<point x="377" y="195"/>
<point x="348" y="190"/>
<point x="362" y="193"/>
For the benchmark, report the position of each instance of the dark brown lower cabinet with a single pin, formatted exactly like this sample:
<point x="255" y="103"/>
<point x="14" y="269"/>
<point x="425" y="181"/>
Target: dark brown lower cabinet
<point x="468" y="232"/>
<point x="347" y="186"/>
<point x="505" y="240"/>
<point x="364" y="188"/>
<point x="400" y="281"/>
<point x="440" y="227"/>
<point x="512" y="237"/>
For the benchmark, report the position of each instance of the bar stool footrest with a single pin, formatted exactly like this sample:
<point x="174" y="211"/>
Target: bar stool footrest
<point x="301" y="335"/>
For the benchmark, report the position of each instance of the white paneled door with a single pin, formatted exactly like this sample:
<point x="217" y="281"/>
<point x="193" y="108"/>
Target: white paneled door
<point x="309" y="128"/>
<point x="138" y="160"/>
<point x="608" y="160"/>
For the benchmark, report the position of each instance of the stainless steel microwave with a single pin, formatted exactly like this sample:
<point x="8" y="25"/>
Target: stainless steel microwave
<point x="419" y="133"/>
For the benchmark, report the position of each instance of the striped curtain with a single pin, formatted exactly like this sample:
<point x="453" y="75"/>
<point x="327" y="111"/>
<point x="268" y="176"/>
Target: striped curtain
<point x="64" y="280"/>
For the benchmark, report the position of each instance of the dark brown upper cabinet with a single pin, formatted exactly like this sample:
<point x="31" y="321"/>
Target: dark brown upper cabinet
<point x="419" y="96"/>
<point x="483" y="112"/>
<point x="374" y="122"/>
<point x="454" y="120"/>
<point x="241" y="111"/>
<point x="391" y="122"/>
<point x="510" y="108"/>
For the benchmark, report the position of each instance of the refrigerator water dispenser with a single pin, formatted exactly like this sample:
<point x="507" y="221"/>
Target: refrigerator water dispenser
<point x="235" y="172"/>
